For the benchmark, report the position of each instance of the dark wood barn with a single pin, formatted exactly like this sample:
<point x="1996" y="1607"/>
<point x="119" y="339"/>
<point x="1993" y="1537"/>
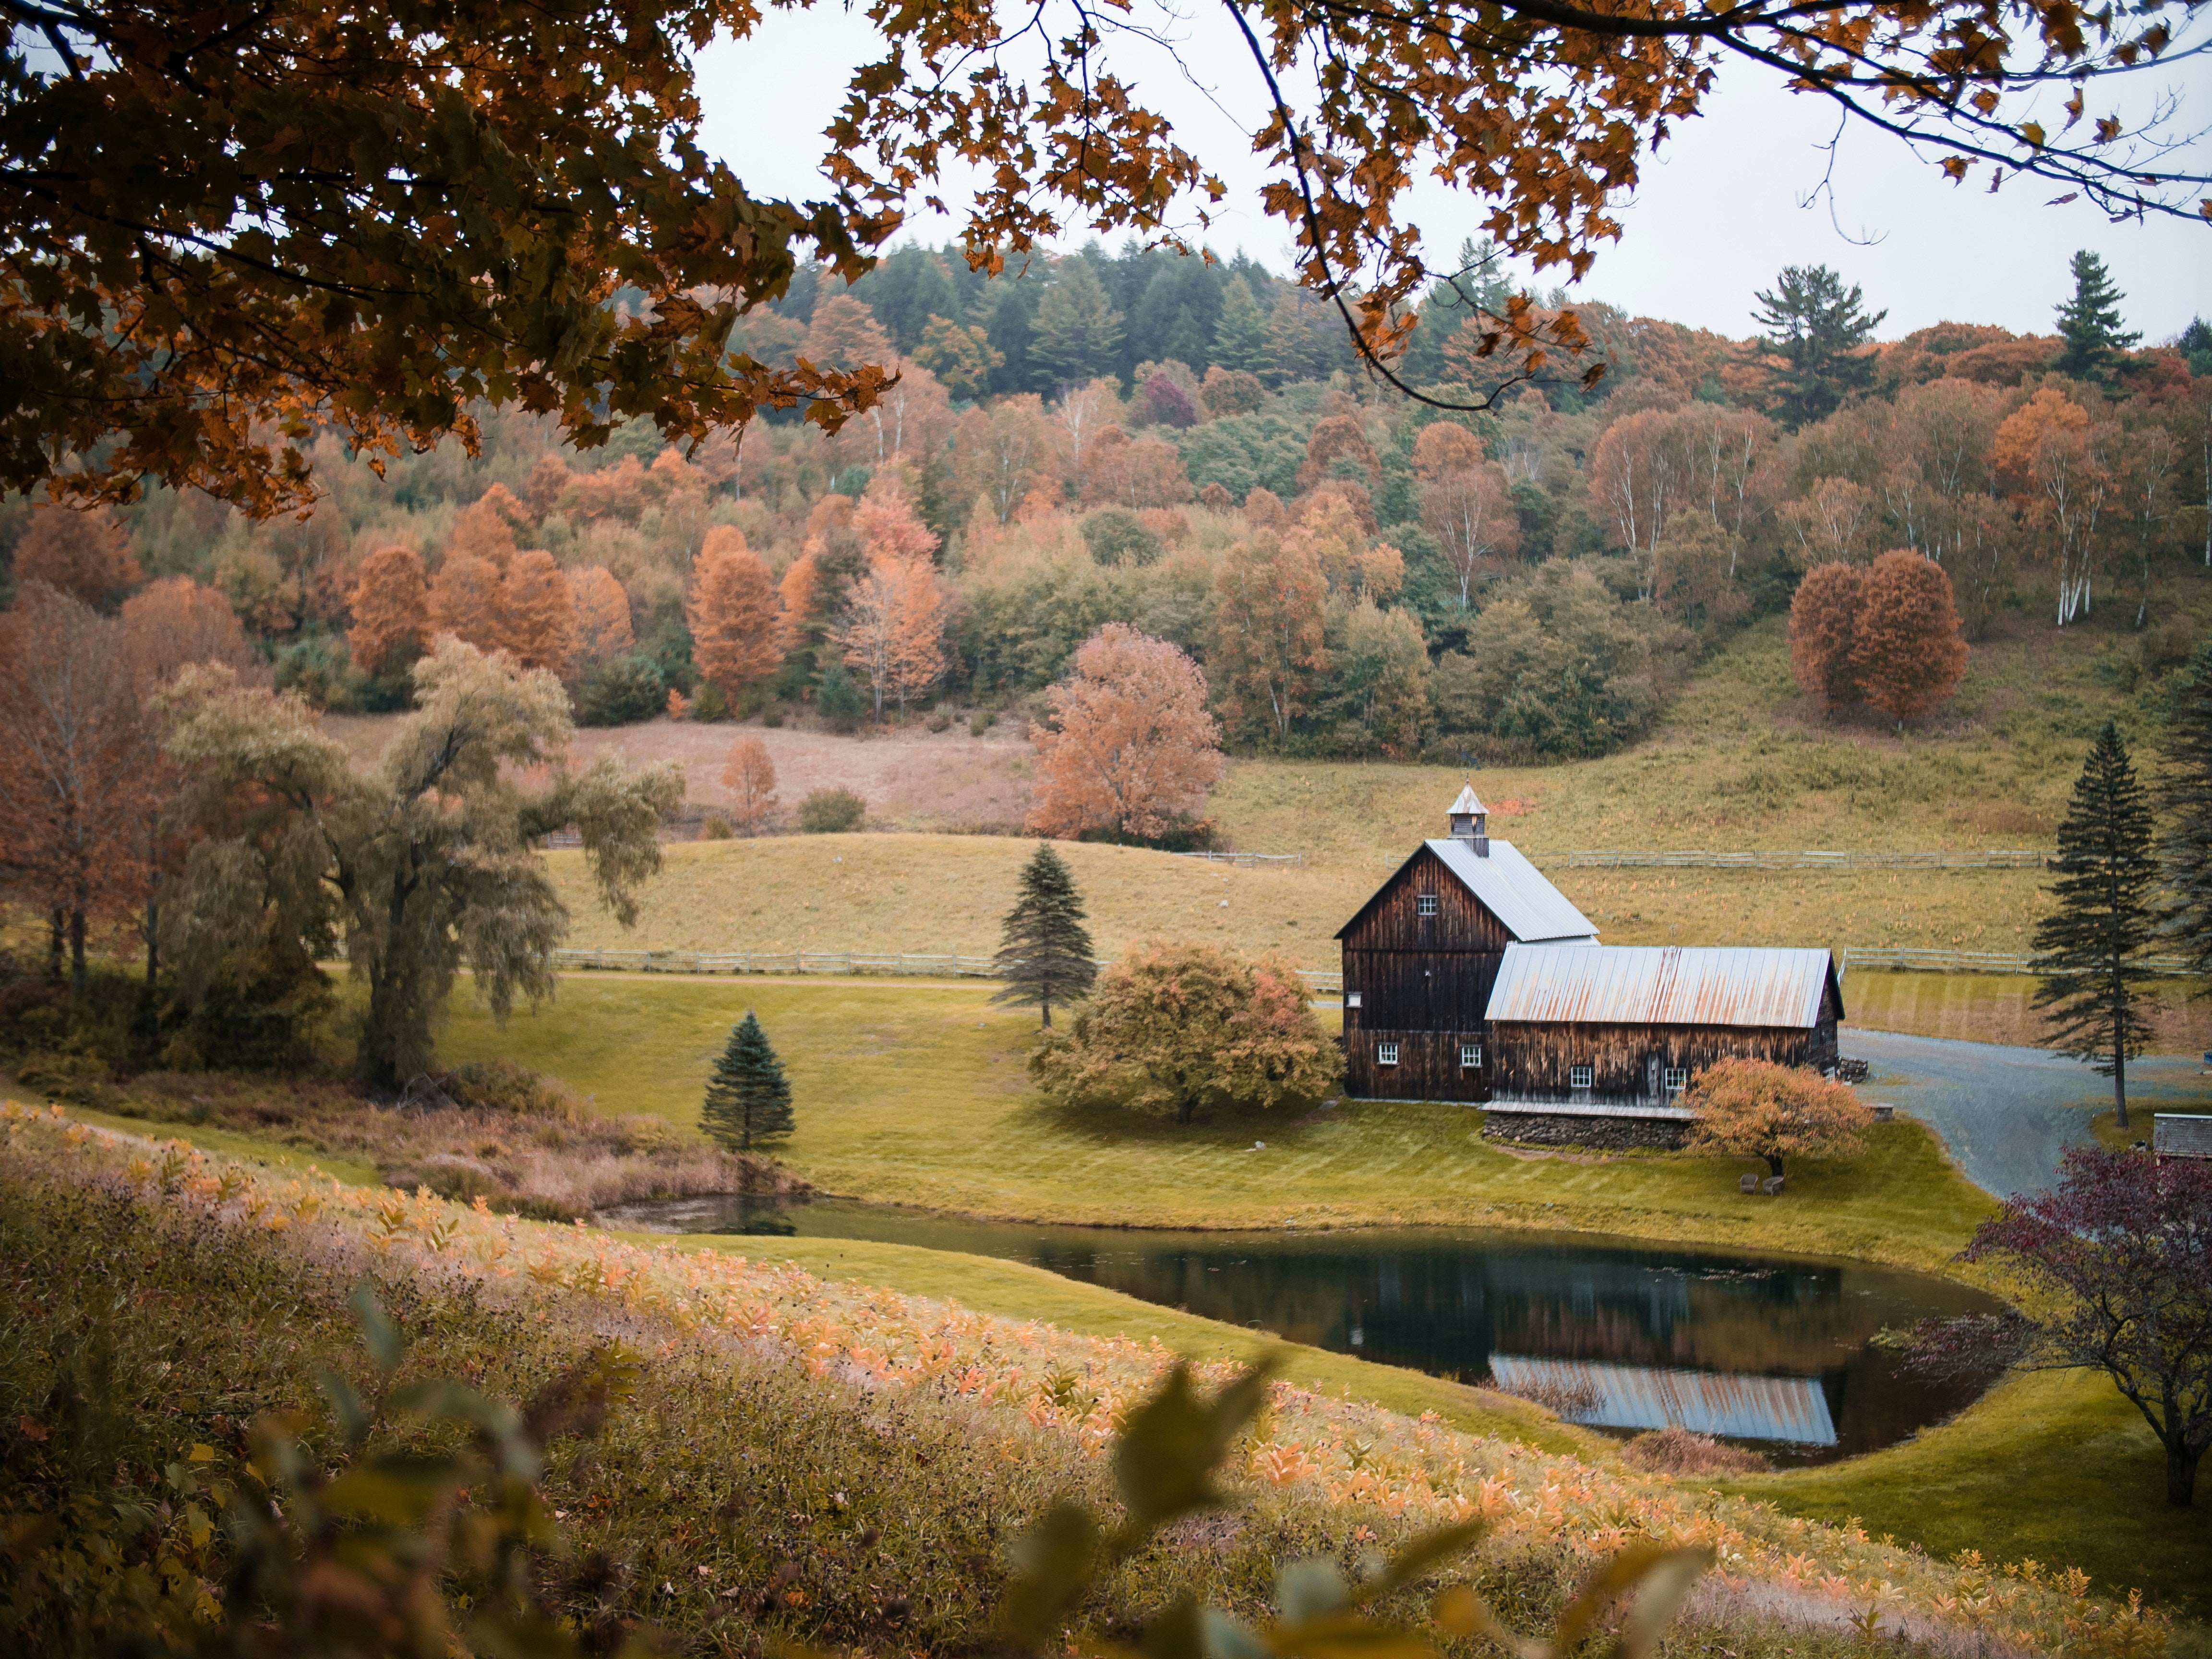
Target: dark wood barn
<point x="1469" y="976"/>
<point x="1420" y="956"/>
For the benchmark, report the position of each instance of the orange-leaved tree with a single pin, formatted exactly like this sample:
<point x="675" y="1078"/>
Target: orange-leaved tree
<point x="893" y="629"/>
<point x="78" y="771"/>
<point x="83" y="554"/>
<point x="465" y="601"/>
<point x="1757" y="1108"/>
<point x="749" y="777"/>
<point x="2051" y="454"/>
<point x="736" y="622"/>
<point x="1130" y="747"/>
<point x="603" y="624"/>
<point x="1268" y="653"/>
<point x="1905" y="648"/>
<point x="539" y="611"/>
<point x="888" y="527"/>
<point x="390" y="607"/>
<point x="176" y="622"/>
<point x="1823" y="626"/>
<point x="1468" y="511"/>
<point x="1169" y="1030"/>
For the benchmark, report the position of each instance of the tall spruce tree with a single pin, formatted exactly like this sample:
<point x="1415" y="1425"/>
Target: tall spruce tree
<point x="2185" y="792"/>
<point x="1817" y="325"/>
<point x="1046" y="957"/>
<point x="1240" y="333"/>
<point x="2090" y="949"/>
<point x="748" y="1098"/>
<point x="2089" y="323"/>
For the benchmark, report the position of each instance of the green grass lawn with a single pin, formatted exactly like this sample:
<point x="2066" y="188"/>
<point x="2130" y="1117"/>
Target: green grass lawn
<point x="2056" y="1467"/>
<point x="919" y="1095"/>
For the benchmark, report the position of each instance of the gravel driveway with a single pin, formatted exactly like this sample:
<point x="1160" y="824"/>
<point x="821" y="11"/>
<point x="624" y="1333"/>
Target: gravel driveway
<point x="2008" y="1113"/>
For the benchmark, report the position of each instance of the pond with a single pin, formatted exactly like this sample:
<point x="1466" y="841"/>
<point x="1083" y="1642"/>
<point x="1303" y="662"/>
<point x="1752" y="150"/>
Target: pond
<point x="1772" y="1352"/>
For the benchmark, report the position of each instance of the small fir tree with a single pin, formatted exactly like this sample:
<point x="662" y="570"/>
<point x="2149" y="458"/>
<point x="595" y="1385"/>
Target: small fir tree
<point x="1046" y="957"/>
<point x="2089" y="323"/>
<point x="2089" y="950"/>
<point x="748" y="1098"/>
<point x="2186" y="846"/>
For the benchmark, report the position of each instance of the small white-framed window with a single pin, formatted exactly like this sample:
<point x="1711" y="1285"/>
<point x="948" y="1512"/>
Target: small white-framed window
<point x="1424" y="905"/>
<point x="1352" y="999"/>
<point x="1674" y="1079"/>
<point x="1578" y="1076"/>
<point x="1386" y="1053"/>
<point x="1470" y="1054"/>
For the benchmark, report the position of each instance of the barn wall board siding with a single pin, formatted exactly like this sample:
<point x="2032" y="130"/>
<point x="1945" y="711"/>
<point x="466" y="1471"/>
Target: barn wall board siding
<point x="1533" y="1062"/>
<point x="1428" y="1068"/>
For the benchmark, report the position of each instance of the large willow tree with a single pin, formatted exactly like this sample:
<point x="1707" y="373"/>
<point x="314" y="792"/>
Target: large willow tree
<point x="226" y="225"/>
<point x="416" y="866"/>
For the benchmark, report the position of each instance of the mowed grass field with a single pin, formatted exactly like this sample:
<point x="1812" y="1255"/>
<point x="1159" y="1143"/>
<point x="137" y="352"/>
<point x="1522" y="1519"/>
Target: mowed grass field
<point x="919" y="1094"/>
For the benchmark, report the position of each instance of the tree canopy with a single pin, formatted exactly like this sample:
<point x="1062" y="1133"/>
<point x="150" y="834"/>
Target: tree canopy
<point x="230" y="226"/>
<point x="420" y="865"/>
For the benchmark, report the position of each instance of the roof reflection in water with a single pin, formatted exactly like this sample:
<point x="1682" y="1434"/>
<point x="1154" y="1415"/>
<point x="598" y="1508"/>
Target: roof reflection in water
<point x="1741" y="1406"/>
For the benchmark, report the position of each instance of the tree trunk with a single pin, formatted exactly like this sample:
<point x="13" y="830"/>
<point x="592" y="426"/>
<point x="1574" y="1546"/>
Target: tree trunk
<point x="1045" y="1004"/>
<point x="55" y="929"/>
<point x="76" y="951"/>
<point x="2120" y="1049"/>
<point x="1773" y="1163"/>
<point x="2181" y="1474"/>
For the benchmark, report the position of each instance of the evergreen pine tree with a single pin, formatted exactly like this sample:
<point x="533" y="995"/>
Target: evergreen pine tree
<point x="2186" y="796"/>
<point x="2089" y="323"/>
<point x="1240" y="333"/>
<point x="748" y="1098"/>
<point x="1077" y="334"/>
<point x="1046" y="957"/>
<point x="1817" y="325"/>
<point x="2089" y="950"/>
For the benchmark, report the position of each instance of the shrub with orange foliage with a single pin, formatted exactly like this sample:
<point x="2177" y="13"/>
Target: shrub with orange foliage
<point x="1173" y="1028"/>
<point x="1905" y="648"/>
<point x="390" y="607"/>
<point x="749" y="777"/>
<point x="178" y="621"/>
<point x="1130" y="747"/>
<point x="1823" y="626"/>
<point x="1756" y="1109"/>
<point x="603" y="624"/>
<point x="86" y="554"/>
<point x="737" y="624"/>
<point x="538" y="611"/>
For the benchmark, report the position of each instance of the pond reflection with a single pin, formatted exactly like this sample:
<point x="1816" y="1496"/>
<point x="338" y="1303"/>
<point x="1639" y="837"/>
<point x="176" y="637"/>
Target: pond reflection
<point x="1777" y="1353"/>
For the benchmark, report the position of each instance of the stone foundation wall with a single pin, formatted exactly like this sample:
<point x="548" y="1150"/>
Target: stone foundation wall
<point x="1563" y="1129"/>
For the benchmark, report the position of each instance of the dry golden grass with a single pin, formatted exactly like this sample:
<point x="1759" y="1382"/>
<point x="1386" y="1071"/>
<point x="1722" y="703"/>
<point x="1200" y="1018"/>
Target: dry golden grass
<point x="948" y="893"/>
<point x="1996" y="1008"/>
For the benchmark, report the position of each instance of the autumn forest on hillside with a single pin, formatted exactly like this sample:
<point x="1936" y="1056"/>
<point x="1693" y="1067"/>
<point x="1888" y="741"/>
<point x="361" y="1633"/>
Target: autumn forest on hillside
<point x="1188" y="446"/>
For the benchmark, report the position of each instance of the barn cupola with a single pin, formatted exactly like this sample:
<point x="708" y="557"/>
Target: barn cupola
<point x="1470" y="822"/>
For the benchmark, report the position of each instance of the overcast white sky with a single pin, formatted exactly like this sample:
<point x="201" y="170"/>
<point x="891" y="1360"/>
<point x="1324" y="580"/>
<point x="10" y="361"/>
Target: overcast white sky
<point x="1716" y="216"/>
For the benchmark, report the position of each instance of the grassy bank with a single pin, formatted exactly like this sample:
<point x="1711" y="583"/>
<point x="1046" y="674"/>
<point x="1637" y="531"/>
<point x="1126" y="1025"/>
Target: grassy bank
<point x="1999" y="1008"/>
<point x="919" y="1095"/>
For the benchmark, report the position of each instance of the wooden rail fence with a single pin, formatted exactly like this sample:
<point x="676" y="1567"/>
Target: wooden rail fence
<point x="913" y="963"/>
<point x="1909" y="958"/>
<point x="2027" y="858"/>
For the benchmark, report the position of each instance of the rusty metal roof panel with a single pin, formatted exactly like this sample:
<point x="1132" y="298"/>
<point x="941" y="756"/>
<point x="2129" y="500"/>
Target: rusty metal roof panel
<point x="1659" y="985"/>
<point x="1515" y="891"/>
<point x="1732" y="1403"/>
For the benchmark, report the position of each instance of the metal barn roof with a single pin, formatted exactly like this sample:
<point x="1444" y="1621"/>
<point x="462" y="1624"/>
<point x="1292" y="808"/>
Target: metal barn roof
<point x="1733" y="1403"/>
<point x="1515" y="891"/>
<point x="2181" y="1134"/>
<point x="1659" y="985"/>
<point x="1468" y="801"/>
